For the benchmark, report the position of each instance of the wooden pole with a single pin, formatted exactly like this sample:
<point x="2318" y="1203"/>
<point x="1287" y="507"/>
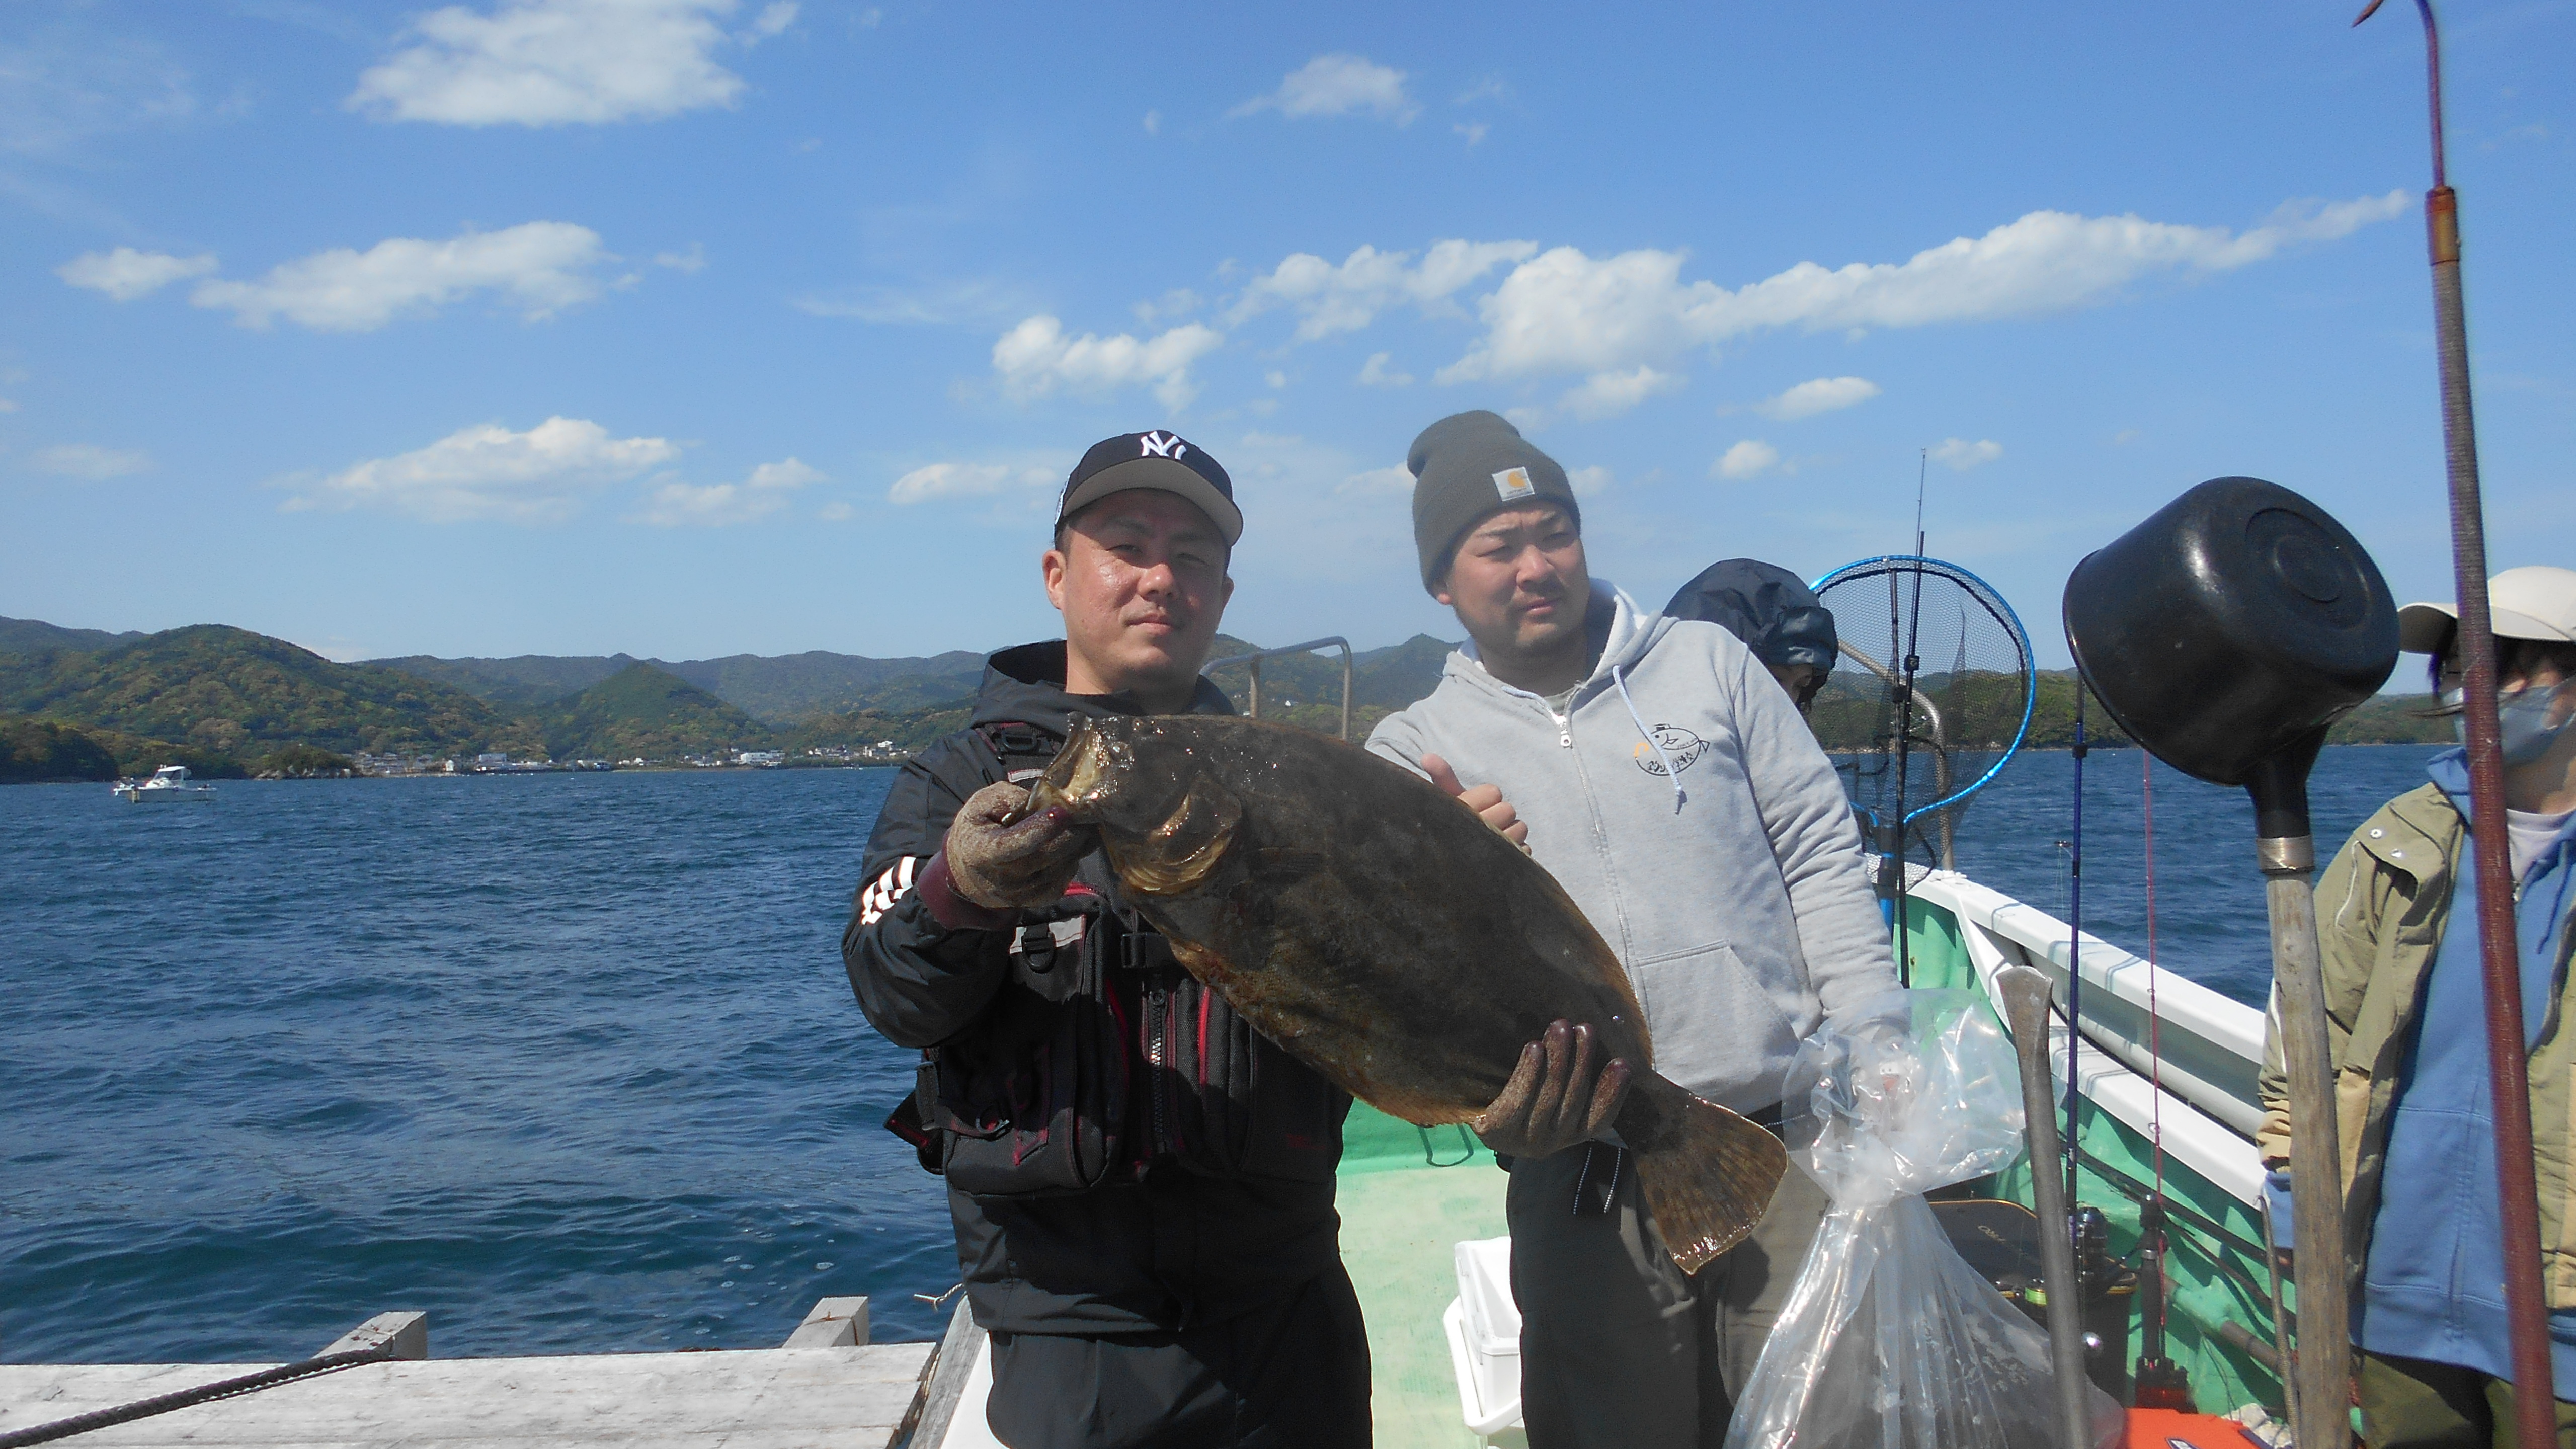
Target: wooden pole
<point x="2321" y="1416"/>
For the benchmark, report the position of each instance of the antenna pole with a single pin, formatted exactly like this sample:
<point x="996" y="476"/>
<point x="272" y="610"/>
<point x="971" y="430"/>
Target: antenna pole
<point x="2526" y="1311"/>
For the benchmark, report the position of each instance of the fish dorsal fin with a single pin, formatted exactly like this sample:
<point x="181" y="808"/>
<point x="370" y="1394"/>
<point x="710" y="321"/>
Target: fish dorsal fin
<point x="1184" y="850"/>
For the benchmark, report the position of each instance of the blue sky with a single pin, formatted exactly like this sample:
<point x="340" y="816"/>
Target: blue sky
<point x="687" y="327"/>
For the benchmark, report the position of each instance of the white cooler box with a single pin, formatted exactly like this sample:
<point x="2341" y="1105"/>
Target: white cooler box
<point x="1484" y="1329"/>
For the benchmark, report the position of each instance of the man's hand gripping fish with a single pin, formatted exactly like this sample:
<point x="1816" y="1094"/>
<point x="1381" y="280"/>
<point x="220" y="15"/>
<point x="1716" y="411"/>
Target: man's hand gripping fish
<point x="1385" y="936"/>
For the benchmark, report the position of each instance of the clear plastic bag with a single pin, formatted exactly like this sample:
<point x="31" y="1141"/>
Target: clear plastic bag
<point x="1888" y="1340"/>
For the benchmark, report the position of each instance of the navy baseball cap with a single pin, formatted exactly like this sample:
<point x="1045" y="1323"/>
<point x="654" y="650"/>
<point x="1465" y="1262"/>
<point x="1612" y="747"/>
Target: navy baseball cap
<point x="1163" y="460"/>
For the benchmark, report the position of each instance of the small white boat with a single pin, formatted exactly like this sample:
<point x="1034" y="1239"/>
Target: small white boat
<point x="168" y="783"/>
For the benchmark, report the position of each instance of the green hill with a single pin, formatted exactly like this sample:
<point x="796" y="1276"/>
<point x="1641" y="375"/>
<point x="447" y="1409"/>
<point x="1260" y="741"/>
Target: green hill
<point x="773" y="688"/>
<point x="37" y="749"/>
<point x="34" y="636"/>
<point x="2392" y="719"/>
<point x="517" y="684"/>
<point x="786" y="687"/>
<point x="909" y="729"/>
<point x="236" y="693"/>
<point x="44" y="749"/>
<point x="648" y="712"/>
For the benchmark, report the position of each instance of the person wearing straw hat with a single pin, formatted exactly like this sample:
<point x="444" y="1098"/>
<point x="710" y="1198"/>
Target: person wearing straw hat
<point x="2407" y="1019"/>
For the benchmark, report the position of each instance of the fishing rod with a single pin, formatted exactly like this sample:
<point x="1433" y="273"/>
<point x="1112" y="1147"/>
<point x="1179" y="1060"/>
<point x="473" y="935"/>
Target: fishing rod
<point x="2526" y="1312"/>
<point x="2075" y="938"/>
<point x="1913" y="664"/>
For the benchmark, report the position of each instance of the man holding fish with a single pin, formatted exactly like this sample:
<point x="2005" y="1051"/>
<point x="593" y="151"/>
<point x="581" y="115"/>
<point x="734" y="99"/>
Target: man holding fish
<point x="1670" y="786"/>
<point x="1142" y="1184"/>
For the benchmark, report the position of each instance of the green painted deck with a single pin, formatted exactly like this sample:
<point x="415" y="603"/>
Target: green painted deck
<point x="1408" y="1194"/>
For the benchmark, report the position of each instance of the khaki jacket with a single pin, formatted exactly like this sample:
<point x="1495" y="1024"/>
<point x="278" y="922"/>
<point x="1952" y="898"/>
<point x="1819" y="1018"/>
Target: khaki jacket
<point x="2382" y="905"/>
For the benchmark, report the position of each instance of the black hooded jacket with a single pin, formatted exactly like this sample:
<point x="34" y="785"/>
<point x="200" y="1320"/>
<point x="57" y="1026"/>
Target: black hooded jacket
<point x="1123" y="1153"/>
<point x="1776" y="615"/>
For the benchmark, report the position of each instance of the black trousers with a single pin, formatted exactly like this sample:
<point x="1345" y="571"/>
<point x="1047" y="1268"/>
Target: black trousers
<point x="1618" y="1349"/>
<point x="1293" y="1374"/>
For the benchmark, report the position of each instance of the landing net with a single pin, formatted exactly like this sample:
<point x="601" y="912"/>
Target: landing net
<point x="1932" y="694"/>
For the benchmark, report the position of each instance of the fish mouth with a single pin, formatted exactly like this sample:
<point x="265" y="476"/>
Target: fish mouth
<point x="1081" y="776"/>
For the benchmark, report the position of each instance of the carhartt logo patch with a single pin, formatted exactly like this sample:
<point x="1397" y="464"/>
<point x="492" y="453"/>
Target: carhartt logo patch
<point x="1513" y="483"/>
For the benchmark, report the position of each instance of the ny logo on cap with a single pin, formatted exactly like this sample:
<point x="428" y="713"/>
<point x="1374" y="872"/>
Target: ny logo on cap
<point x="1163" y="445"/>
<point x="1513" y="483"/>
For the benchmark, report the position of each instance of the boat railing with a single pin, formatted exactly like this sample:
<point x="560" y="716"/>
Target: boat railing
<point x="2206" y="1053"/>
<point x="1310" y="646"/>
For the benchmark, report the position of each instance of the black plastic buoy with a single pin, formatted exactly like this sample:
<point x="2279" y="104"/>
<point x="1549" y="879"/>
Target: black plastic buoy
<point x="2228" y="630"/>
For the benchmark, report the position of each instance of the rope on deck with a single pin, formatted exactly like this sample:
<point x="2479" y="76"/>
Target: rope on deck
<point x="189" y="1398"/>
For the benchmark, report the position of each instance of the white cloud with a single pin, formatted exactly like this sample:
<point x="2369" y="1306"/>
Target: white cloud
<point x="774" y="18"/>
<point x="1338" y="85"/>
<point x="90" y="462"/>
<point x="541" y="266"/>
<point x="1035" y="358"/>
<point x="1821" y="395"/>
<point x="2124" y="437"/>
<point x="1398" y="479"/>
<point x="1563" y="311"/>
<point x="8" y="405"/>
<point x="1748" y="459"/>
<point x="125" y="274"/>
<point x="1153" y="123"/>
<point x="692" y="260"/>
<point x="836" y="513"/>
<point x="1275" y="378"/>
<point x="1608" y="394"/>
<point x="1348" y="297"/>
<point x="712" y="505"/>
<point x="487" y="471"/>
<point x="1589" y="482"/>
<point x="1379" y="372"/>
<point x="1960" y="455"/>
<point x="1474" y="131"/>
<point x="963" y="480"/>
<point x="556" y="62"/>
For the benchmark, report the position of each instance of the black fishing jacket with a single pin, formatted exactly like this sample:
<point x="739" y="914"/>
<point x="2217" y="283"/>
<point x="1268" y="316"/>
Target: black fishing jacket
<point x="1123" y="1153"/>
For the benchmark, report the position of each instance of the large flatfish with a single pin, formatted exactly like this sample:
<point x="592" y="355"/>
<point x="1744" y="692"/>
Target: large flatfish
<point x="1380" y="932"/>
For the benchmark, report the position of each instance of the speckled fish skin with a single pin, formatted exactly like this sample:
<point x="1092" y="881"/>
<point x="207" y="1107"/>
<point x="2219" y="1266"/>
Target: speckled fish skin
<point x="1381" y="932"/>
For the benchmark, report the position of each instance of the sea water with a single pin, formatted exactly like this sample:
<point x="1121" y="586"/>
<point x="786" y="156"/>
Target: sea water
<point x="570" y="1061"/>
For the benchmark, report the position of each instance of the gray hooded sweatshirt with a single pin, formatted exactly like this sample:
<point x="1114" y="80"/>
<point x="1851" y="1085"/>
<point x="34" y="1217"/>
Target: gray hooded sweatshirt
<point x="1684" y="805"/>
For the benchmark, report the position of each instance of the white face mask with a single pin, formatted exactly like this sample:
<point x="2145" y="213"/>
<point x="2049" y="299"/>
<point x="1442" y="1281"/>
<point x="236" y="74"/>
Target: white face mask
<point x="2522" y="722"/>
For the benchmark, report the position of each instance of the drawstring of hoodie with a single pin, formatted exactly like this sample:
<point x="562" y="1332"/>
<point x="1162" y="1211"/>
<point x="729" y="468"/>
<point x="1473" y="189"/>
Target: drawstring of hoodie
<point x="1619" y="677"/>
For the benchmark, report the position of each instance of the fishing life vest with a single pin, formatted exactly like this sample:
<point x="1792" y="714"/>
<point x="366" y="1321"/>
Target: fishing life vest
<point x="1101" y="1058"/>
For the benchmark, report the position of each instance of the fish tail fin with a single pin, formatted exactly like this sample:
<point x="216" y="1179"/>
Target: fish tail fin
<point x="1706" y="1174"/>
